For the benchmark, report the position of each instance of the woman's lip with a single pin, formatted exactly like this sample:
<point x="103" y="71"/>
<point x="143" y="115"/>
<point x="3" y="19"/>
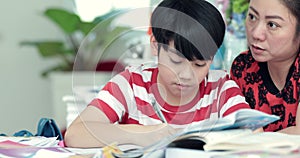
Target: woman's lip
<point x="257" y="49"/>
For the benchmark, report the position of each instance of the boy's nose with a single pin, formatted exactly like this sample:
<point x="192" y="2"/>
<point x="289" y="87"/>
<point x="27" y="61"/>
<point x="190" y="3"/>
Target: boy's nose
<point x="185" y="72"/>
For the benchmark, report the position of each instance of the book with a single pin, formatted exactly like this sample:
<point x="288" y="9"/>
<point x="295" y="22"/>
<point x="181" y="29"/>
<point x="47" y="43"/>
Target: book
<point x="212" y="131"/>
<point x="273" y="142"/>
<point x="183" y="152"/>
<point x="33" y="152"/>
<point x="237" y="141"/>
<point x="264" y="144"/>
<point x="38" y="146"/>
<point x="38" y="141"/>
<point x="200" y="140"/>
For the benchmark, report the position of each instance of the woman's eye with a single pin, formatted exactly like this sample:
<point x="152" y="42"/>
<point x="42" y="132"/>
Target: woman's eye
<point x="251" y="17"/>
<point x="273" y="25"/>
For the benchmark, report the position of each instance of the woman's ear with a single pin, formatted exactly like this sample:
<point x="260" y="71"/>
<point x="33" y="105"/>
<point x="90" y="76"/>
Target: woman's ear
<point x="154" y="45"/>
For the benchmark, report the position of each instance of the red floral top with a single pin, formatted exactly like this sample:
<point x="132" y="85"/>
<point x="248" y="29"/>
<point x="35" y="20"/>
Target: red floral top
<point x="261" y="93"/>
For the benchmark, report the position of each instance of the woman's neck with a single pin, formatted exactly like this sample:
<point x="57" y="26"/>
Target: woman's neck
<point x="278" y="71"/>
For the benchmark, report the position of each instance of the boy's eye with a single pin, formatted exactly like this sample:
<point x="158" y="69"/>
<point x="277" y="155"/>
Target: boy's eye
<point x="175" y="58"/>
<point x="175" y="61"/>
<point x="200" y="64"/>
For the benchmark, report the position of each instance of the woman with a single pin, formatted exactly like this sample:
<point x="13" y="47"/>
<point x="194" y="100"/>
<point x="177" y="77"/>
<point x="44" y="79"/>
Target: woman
<point x="268" y="73"/>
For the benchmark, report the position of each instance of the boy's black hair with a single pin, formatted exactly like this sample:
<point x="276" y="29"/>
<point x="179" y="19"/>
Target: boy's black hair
<point x="196" y="27"/>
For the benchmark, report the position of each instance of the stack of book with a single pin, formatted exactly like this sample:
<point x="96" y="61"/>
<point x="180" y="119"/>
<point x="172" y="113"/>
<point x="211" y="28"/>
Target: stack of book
<point x="41" y="147"/>
<point x="20" y="147"/>
<point x="82" y="96"/>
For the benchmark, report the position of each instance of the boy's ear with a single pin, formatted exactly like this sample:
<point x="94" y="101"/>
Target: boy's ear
<point x="154" y="45"/>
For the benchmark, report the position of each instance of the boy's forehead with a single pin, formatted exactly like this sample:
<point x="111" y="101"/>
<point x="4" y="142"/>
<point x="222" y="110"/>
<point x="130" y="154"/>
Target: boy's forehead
<point x="178" y="53"/>
<point x="171" y="48"/>
<point x="175" y="51"/>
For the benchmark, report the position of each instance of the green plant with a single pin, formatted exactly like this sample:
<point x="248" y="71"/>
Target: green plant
<point x="236" y="7"/>
<point x="73" y="27"/>
<point x="236" y="16"/>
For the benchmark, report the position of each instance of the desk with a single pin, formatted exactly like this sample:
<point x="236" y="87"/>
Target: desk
<point x="168" y="153"/>
<point x="16" y="147"/>
<point x="187" y="153"/>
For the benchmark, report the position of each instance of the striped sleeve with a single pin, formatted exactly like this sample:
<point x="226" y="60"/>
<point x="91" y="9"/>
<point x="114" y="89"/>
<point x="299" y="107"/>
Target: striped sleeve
<point x="229" y="95"/>
<point x="115" y="96"/>
<point x="233" y="98"/>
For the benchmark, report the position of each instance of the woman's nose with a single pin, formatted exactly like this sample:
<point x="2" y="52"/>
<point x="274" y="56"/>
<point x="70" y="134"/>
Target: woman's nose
<point x="258" y="32"/>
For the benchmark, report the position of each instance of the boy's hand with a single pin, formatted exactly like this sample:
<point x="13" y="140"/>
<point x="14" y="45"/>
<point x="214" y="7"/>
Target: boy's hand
<point x="258" y="130"/>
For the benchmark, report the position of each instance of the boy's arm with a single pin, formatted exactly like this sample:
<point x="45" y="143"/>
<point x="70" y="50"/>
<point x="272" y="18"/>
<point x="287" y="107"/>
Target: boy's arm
<point x="93" y="129"/>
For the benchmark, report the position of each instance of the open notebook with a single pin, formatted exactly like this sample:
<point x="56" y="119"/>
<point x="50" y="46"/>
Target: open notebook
<point x="236" y="124"/>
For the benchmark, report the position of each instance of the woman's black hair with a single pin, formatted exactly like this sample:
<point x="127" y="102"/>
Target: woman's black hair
<point x="294" y="7"/>
<point x="196" y="27"/>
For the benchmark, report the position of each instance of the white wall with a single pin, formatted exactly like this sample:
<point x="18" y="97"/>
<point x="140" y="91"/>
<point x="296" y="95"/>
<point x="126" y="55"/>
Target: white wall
<point x="25" y="96"/>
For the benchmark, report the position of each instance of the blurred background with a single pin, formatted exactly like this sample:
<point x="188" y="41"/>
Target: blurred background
<point x="51" y="50"/>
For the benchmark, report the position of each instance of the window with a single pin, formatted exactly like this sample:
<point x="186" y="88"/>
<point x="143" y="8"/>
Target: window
<point x="89" y="9"/>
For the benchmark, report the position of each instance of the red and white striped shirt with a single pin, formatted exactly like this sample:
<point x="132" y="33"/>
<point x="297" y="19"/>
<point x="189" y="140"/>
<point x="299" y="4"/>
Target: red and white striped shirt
<point x="128" y="98"/>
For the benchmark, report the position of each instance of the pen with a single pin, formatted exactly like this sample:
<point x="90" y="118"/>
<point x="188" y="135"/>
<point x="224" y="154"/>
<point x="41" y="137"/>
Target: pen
<point x="158" y="112"/>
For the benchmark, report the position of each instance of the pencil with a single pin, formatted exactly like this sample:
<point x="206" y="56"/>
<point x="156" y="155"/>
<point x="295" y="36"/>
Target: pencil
<point x="159" y="112"/>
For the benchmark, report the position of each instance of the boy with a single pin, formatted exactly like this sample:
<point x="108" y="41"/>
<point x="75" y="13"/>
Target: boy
<point x="144" y="104"/>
